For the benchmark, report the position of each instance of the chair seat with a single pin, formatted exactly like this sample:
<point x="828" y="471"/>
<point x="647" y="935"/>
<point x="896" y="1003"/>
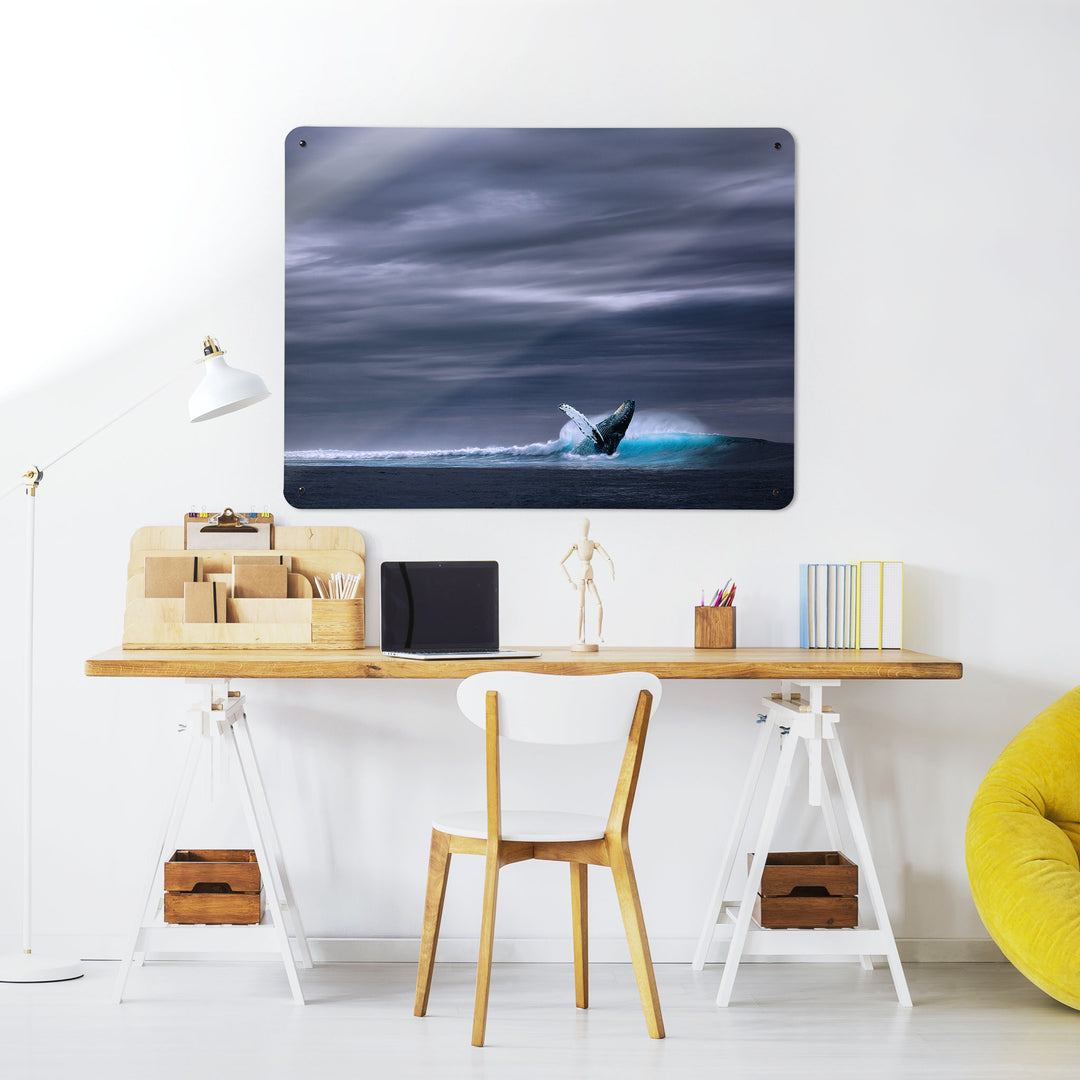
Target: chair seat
<point x="529" y="826"/>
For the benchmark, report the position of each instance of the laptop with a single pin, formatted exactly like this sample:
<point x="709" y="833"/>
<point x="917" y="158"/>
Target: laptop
<point x="442" y="611"/>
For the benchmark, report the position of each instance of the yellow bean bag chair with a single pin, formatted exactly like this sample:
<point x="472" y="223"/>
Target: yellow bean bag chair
<point x="1023" y="839"/>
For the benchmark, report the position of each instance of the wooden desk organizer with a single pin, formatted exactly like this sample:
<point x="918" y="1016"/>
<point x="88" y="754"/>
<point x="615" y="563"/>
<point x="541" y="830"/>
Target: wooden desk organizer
<point x="301" y="621"/>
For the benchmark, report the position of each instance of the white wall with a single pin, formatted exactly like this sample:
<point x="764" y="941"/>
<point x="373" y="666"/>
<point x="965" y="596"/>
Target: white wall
<point x="936" y="402"/>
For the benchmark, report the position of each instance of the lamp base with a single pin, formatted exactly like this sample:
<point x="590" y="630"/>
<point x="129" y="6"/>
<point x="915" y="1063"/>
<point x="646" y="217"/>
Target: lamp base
<point x="28" y="968"/>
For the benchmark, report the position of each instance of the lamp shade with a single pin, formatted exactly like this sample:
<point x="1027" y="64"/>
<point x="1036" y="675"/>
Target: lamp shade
<point x="223" y="389"/>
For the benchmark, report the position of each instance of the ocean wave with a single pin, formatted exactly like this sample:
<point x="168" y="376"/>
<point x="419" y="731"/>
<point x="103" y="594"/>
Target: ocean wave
<point x="681" y="450"/>
<point x="655" y="440"/>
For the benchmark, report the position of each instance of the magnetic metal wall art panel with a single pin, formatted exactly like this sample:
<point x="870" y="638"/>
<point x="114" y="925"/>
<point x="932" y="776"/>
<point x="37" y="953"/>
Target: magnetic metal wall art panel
<point x="539" y="317"/>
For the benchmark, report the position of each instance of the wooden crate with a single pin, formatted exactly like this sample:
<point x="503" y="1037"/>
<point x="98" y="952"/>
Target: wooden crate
<point x="807" y="890"/>
<point x="213" y="886"/>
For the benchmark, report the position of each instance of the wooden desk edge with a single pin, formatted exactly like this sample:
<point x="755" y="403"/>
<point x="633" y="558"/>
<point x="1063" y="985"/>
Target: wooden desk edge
<point x="666" y="663"/>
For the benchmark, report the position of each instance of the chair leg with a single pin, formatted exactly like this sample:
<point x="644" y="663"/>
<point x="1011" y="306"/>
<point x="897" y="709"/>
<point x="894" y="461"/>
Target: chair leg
<point x="634" y="922"/>
<point x="487" y="943"/>
<point x="438" y="870"/>
<point x="579" y="904"/>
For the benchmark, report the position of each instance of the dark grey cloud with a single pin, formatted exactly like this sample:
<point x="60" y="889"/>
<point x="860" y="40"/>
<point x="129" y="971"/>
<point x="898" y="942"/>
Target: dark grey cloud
<point x="450" y="287"/>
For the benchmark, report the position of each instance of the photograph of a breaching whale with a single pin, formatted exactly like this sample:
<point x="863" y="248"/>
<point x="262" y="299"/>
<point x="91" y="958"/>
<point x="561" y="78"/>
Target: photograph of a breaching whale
<point x="539" y="317"/>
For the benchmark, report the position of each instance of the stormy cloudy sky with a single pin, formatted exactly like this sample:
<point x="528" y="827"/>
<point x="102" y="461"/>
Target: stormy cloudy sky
<point x="448" y="288"/>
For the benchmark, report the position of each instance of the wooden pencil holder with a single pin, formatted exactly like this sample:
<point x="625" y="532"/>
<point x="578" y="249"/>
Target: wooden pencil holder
<point x="714" y="627"/>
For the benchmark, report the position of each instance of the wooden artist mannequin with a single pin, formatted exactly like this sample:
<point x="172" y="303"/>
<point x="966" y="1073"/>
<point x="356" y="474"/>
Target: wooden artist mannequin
<point x="584" y="547"/>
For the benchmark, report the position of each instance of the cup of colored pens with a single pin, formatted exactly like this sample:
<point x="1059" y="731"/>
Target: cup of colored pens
<point x="714" y="620"/>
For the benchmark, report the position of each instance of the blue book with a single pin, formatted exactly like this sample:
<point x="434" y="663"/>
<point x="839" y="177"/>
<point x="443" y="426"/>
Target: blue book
<point x="804" y="605"/>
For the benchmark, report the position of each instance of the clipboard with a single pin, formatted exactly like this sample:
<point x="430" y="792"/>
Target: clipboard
<point x="228" y="531"/>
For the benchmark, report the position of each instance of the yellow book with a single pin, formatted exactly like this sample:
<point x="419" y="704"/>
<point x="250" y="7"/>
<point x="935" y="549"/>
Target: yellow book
<point x="870" y="605"/>
<point x="892" y="605"/>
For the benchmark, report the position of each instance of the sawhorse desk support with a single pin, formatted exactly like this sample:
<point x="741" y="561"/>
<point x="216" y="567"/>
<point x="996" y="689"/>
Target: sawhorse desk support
<point x="220" y="716"/>
<point x="796" y="720"/>
<point x="812" y="668"/>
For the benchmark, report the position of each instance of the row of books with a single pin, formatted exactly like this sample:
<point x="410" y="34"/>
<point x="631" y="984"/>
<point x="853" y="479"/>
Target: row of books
<point x="851" y="605"/>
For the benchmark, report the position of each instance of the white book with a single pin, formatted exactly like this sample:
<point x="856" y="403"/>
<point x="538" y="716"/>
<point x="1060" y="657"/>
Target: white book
<point x="830" y="639"/>
<point x="841" y="596"/>
<point x="869" y="605"/>
<point x="892" y="605"/>
<point x="853" y="606"/>
<point x="821" y="621"/>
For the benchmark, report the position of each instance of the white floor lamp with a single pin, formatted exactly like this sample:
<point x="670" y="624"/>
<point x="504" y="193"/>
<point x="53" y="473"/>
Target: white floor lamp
<point x="223" y="389"/>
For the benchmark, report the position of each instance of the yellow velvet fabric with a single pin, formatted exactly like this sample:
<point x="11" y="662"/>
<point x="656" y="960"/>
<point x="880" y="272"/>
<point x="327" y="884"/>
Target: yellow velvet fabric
<point x="1023" y="850"/>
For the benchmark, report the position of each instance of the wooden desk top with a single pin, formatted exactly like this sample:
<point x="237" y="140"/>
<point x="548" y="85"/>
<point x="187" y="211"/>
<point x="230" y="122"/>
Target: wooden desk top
<point x="666" y="663"/>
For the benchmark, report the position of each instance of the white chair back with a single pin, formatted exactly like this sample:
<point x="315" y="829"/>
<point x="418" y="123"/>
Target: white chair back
<point x="565" y="710"/>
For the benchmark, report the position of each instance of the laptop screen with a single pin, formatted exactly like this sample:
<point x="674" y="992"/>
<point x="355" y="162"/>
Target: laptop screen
<point x="440" y="606"/>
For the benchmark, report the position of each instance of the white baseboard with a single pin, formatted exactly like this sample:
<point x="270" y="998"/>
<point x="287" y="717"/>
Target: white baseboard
<point x="526" y="950"/>
<point x="615" y="951"/>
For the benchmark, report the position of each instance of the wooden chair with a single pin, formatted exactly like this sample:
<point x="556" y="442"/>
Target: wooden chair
<point x="564" y="710"/>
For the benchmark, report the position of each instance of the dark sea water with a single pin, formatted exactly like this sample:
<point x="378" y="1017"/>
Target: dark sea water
<point x="670" y="470"/>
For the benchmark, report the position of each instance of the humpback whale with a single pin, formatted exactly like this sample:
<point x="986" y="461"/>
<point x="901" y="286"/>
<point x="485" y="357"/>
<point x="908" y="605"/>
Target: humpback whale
<point x="604" y="437"/>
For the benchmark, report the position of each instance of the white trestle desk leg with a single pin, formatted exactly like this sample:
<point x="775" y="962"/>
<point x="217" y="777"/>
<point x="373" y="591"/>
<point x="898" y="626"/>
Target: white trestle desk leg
<point x="246" y="750"/>
<point x="798" y="719"/>
<point x="753" y="880"/>
<point x="867" y="871"/>
<point x="815" y="774"/>
<point x="828" y="813"/>
<point x="153" y="898"/>
<point x="818" y="787"/>
<point x="262" y="854"/>
<point x="727" y="863"/>
<point x="221" y="717"/>
<point x="832" y="830"/>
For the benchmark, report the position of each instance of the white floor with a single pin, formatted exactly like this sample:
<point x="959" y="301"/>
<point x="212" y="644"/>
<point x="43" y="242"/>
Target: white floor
<point x="236" y="1021"/>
